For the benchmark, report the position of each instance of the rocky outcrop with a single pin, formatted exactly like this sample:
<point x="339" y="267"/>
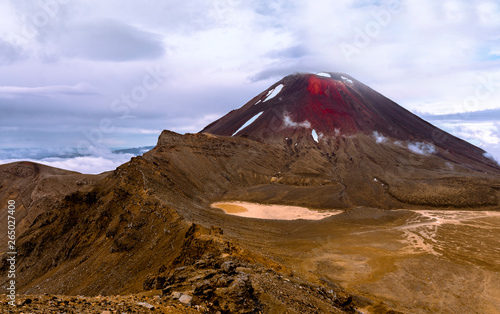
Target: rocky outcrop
<point x="215" y="274"/>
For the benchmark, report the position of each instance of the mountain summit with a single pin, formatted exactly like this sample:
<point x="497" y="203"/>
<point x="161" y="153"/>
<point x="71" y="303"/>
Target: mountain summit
<point x="326" y="107"/>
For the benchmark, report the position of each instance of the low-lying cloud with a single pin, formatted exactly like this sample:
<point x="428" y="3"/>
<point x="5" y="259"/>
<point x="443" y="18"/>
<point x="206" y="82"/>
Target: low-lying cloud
<point x="99" y="161"/>
<point x="422" y="148"/>
<point x="490" y="156"/>
<point x="379" y="138"/>
<point x="288" y="122"/>
<point x="86" y="164"/>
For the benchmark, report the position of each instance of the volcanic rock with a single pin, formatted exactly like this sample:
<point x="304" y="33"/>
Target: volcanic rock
<point x="314" y="141"/>
<point x="324" y="108"/>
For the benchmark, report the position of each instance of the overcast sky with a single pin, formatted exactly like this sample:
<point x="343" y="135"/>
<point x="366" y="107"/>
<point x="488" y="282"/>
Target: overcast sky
<point x="115" y="73"/>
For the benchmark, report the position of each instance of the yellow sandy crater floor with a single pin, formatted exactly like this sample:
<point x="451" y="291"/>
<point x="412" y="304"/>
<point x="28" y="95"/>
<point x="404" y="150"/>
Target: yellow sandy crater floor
<point x="277" y="212"/>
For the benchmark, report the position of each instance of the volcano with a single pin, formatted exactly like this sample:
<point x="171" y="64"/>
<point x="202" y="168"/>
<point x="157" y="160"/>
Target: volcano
<point x="324" y="107"/>
<point x="322" y="141"/>
<point x="343" y="133"/>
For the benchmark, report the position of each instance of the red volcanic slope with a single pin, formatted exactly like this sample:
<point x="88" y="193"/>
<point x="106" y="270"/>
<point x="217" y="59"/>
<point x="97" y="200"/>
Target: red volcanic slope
<point x="334" y="104"/>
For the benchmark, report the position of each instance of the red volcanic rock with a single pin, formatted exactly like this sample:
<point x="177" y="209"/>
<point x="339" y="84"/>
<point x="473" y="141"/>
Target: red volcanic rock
<point x="323" y="107"/>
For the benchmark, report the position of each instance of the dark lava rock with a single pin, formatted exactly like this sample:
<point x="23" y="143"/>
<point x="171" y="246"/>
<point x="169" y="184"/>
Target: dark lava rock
<point x="228" y="267"/>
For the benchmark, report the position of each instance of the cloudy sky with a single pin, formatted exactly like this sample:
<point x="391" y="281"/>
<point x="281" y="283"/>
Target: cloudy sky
<point x="95" y="74"/>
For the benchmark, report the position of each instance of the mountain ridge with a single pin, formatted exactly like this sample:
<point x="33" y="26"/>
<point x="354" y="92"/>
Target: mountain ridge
<point x="149" y="224"/>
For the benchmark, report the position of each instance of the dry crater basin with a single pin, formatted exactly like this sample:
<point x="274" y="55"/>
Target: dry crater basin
<point x="276" y="212"/>
<point x="413" y="261"/>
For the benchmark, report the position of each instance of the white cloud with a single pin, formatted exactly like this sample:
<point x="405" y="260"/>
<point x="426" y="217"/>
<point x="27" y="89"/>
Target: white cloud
<point x="288" y="122"/>
<point x="86" y="164"/>
<point x="190" y="124"/>
<point x="416" y="147"/>
<point x="109" y="40"/>
<point x="494" y="52"/>
<point x="489" y="13"/>
<point x="10" y="52"/>
<point x="478" y="130"/>
<point x="478" y="133"/>
<point x="495" y="158"/>
<point x="422" y="148"/>
<point x="131" y="130"/>
<point x="78" y="89"/>
<point x="379" y="138"/>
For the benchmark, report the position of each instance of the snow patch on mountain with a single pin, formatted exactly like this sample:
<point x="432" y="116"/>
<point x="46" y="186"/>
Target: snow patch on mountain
<point x="248" y="122"/>
<point x="315" y="136"/>
<point x="346" y="80"/>
<point x="324" y="74"/>
<point x="272" y="93"/>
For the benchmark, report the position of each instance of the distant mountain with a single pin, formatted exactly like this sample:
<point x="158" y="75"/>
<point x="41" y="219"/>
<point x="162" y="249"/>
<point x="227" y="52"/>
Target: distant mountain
<point x="136" y="151"/>
<point x="330" y="106"/>
<point x="64" y="153"/>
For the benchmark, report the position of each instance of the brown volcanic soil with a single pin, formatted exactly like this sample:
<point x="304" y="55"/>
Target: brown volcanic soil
<point x="149" y="225"/>
<point x="132" y="230"/>
<point x="35" y="188"/>
<point x="136" y="223"/>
